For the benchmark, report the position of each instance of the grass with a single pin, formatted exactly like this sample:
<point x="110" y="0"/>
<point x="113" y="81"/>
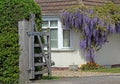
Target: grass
<point x="50" y="77"/>
<point x="108" y="70"/>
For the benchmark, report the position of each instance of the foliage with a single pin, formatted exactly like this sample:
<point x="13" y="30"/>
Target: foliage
<point x="9" y="56"/>
<point x="11" y="11"/>
<point x="89" y="66"/>
<point x="109" y="12"/>
<point x="95" y="25"/>
<point x="14" y="10"/>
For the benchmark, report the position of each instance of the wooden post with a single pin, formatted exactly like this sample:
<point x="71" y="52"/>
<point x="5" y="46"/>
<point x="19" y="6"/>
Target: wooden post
<point x="24" y="54"/>
<point x="31" y="51"/>
<point x="49" y="51"/>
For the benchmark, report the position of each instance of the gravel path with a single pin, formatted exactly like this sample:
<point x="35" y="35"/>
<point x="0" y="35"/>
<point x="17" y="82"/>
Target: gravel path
<point x="80" y="77"/>
<point x="84" y="80"/>
<point x="69" y="73"/>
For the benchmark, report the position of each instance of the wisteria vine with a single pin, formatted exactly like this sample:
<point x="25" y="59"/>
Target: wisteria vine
<point x="94" y="28"/>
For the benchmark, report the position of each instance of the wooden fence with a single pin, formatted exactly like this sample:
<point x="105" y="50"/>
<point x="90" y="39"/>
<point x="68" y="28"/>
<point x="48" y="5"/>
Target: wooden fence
<point x="34" y="61"/>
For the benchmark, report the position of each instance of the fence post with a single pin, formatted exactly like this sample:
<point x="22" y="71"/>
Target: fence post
<point x="49" y="51"/>
<point x="23" y="27"/>
<point x="31" y="50"/>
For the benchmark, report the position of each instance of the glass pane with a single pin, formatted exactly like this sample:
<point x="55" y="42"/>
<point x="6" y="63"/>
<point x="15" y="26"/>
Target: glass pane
<point x="53" y="23"/>
<point x="54" y="44"/>
<point x="45" y="38"/>
<point x="54" y="33"/>
<point x="54" y="38"/>
<point x="45" y="24"/>
<point x="66" y="38"/>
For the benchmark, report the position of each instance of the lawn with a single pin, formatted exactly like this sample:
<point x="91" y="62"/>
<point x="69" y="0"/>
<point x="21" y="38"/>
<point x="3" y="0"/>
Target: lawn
<point x="108" y="70"/>
<point x="50" y="77"/>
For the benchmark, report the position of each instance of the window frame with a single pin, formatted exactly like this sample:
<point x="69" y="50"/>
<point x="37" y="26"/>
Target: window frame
<point x="69" y="38"/>
<point x="60" y="32"/>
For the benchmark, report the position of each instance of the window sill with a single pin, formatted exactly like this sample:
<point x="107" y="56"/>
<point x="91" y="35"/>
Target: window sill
<point x="62" y="50"/>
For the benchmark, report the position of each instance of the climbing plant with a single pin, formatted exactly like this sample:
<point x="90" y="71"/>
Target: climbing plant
<point x="12" y="11"/>
<point x="95" y="24"/>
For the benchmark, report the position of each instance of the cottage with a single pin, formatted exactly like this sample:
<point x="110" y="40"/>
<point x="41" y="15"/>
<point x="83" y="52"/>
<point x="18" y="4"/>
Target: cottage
<point x="65" y="42"/>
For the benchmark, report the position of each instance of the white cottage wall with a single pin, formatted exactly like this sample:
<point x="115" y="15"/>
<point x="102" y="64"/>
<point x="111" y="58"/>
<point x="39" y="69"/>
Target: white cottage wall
<point x="65" y="57"/>
<point x="110" y="52"/>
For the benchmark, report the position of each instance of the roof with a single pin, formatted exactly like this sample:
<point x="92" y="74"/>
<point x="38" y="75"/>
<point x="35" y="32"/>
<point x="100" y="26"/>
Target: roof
<point x="55" y="7"/>
<point x="52" y="7"/>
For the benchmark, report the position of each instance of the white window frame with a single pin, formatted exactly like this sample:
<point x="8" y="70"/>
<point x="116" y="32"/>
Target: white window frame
<point x="60" y="33"/>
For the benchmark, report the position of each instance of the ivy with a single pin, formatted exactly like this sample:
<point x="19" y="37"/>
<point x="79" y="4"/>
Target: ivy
<point x="12" y="11"/>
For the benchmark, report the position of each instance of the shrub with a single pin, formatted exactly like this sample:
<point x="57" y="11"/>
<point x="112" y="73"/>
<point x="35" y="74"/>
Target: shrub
<point x="11" y="11"/>
<point x="90" y="66"/>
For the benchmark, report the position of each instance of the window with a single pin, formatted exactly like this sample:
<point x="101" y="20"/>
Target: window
<point x="66" y="38"/>
<point x="54" y="38"/>
<point x="45" y="24"/>
<point x="60" y="38"/>
<point x="53" y="25"/>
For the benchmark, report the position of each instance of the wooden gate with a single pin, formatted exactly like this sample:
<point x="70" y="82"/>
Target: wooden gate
<point x="35" y="55"/>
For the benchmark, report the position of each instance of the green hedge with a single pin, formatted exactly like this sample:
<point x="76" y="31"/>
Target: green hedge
<point x="11" y="11"/>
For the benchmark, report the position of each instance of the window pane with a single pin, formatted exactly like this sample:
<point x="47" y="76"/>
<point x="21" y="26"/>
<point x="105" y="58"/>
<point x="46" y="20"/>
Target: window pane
<point x="53" y="23"/>
<point x="54" y="38"/>
<point x="66" y="38"/>
<point x="45" y="38"/>
<point x="45" y="24"/>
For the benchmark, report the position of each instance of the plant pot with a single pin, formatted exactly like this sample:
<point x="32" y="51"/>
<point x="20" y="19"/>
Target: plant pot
<point x="73" y="67"/>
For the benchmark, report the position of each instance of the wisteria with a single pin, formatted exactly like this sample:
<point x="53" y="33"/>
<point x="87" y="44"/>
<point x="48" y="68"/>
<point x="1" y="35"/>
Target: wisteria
<point x="95" y="30"/>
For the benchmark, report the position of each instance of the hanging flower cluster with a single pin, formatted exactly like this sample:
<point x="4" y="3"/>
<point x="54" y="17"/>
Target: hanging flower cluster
<point x="94" y="26"/>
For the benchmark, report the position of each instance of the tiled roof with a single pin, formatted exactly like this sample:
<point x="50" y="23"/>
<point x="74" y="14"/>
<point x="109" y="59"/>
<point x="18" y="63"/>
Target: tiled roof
<point x="98" y="2"/>
<point x="54" y="7"/>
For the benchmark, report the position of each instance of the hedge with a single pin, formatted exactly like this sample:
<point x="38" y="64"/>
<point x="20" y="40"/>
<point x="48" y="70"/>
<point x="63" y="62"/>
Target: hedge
<point x="12" y="11"/>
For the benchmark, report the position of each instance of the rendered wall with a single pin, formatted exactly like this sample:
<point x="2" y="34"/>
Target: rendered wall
<point x="108" y="55"/>
<point x="66" y="57"/>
